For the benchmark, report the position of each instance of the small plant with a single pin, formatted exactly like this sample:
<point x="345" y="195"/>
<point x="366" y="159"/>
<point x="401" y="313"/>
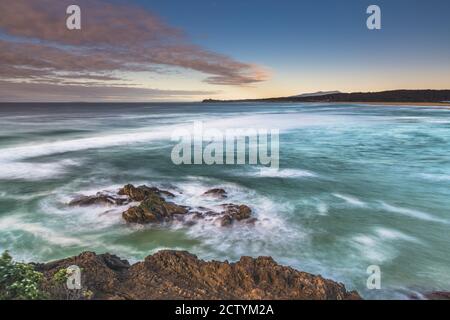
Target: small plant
<point x="87" y="294"/>
<point x="19" y="281"/>
<point x="61" y="276"/>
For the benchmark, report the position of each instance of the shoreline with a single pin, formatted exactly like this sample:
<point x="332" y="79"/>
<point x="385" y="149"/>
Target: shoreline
<point x="181" y="275"/>
<point x="404" y="104"/>
<point x="387" y="104"/>
<point x="171" y="274"/>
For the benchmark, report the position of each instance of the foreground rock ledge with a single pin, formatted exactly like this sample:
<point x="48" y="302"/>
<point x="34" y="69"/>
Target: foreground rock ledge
<point x="181" y="275"/>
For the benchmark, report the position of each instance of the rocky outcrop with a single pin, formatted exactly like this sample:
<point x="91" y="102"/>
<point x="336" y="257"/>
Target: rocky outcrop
<point x="181" y="275"/>
<point x="154" y="208"/>
<point x="142" y="192"/>
<point x="99" y="199"/>
<point x="234" y="212"/>
<point x="216" y="193"/>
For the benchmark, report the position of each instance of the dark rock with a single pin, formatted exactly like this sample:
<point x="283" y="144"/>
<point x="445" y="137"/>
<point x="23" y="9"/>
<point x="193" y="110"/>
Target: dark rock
<point x="196" y="215"/>
<point x="217" y="193"/>
<point x="226" y="221"/>
<point x="438" y="295"/>
<point x="153" y="209"/>
<point x="181" y="275"/>
<point x="251" y="221"/>
<point x="142" y="192"/>
<point x="98" y="199"/>
<point x="238" y="212"/>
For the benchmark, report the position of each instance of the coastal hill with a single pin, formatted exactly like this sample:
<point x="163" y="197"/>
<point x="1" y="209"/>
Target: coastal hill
<point x="393" y="96"/>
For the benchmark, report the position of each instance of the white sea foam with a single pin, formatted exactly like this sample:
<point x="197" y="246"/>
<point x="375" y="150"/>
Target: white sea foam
<point x="80" y="219"/>
<point x="285" y="173"/>
<point x="390" y="234"/>
<point x="372" y="248"/>
<point x="411" y="213"/>
<point x="435" y="176"/>
<point x="34" y="171"/>
<point x="322" y="208"/>
<point x="38" y="230"/>
<point x="55" y="147"/>
<point x="284" y="121"/>
<point x="350" y="200"/>
<point x="378" y="246"/>
<point x="269" y="231"/>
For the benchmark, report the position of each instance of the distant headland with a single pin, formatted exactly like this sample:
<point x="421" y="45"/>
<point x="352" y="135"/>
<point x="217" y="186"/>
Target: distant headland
<point x="392" y="96"/>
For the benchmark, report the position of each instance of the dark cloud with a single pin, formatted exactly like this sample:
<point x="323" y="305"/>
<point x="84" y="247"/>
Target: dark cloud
<point x="115" y="39"/>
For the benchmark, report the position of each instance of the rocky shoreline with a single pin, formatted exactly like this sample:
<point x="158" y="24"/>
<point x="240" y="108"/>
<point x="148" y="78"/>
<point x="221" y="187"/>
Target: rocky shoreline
<point x="181" y="275"/>
<point x="171" y="274"/>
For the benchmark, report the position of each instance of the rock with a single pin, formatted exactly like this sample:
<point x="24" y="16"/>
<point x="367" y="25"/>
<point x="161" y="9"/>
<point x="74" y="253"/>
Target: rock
<point x="251" y="221"/>
<point x="102" y="273"/>
<point x="226" y="221"/>
<point x="142" y="192"/>
<point x="217" y="193"/>
<point x="153" y="209"/>
<point x="98" y="199"/>
<point x="238" y="212"/>
<point x="181" y="275"/>
<point x="438" y="295"/>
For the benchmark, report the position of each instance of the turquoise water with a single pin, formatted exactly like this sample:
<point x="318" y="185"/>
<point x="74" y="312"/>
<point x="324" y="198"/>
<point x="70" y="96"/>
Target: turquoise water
<point x="357" y="186"/>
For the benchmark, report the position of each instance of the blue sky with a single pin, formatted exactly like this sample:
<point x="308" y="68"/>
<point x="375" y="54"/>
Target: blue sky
<point x="294" y="46"/>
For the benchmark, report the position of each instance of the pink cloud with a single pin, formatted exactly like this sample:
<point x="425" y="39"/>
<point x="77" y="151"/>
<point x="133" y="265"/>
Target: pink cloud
<point x="114" y="39"/>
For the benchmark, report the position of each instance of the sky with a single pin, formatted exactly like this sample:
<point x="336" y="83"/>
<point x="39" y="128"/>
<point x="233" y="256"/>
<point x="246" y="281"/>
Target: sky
<point x="178" y="50"/>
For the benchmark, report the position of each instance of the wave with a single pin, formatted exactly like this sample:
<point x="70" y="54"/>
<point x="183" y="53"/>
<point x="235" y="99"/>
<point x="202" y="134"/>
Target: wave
<point x="285" y="173"/>
<point x="435" y="176"/>
<point x="286" y="122"/>
<point x="378" y="246"/>
<point x="411" y="213"/>
<point x="49" y="235"/>
<point x="391" y="234"/>
<point x="35" y="171"/>
<point x="56" y="147"/>
<point x="350" y="200"/>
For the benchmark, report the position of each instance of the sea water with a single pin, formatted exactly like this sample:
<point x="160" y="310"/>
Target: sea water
<point x="358" y="185"/>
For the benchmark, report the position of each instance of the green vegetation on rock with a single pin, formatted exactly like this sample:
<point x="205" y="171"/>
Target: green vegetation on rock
<point x="19" y="281"/>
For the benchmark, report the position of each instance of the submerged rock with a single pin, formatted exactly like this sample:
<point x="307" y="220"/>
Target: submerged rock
<point x="99" y="199"/>
<point x="226" y="220"/>
<point x="238" y="212"/>
<point x="181" y="275"/>
<point x="234" y="212"/>
<point x="216" y="192"/>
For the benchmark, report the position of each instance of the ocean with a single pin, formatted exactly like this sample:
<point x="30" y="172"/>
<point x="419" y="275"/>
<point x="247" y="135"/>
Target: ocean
<point x="358" y="185"/>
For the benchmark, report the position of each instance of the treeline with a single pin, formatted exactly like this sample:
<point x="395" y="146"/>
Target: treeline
<point x="382" y="96"/>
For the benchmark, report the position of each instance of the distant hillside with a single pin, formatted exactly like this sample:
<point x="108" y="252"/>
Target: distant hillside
<point x="382" y="96"/>
<point x="315" y="94"/>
